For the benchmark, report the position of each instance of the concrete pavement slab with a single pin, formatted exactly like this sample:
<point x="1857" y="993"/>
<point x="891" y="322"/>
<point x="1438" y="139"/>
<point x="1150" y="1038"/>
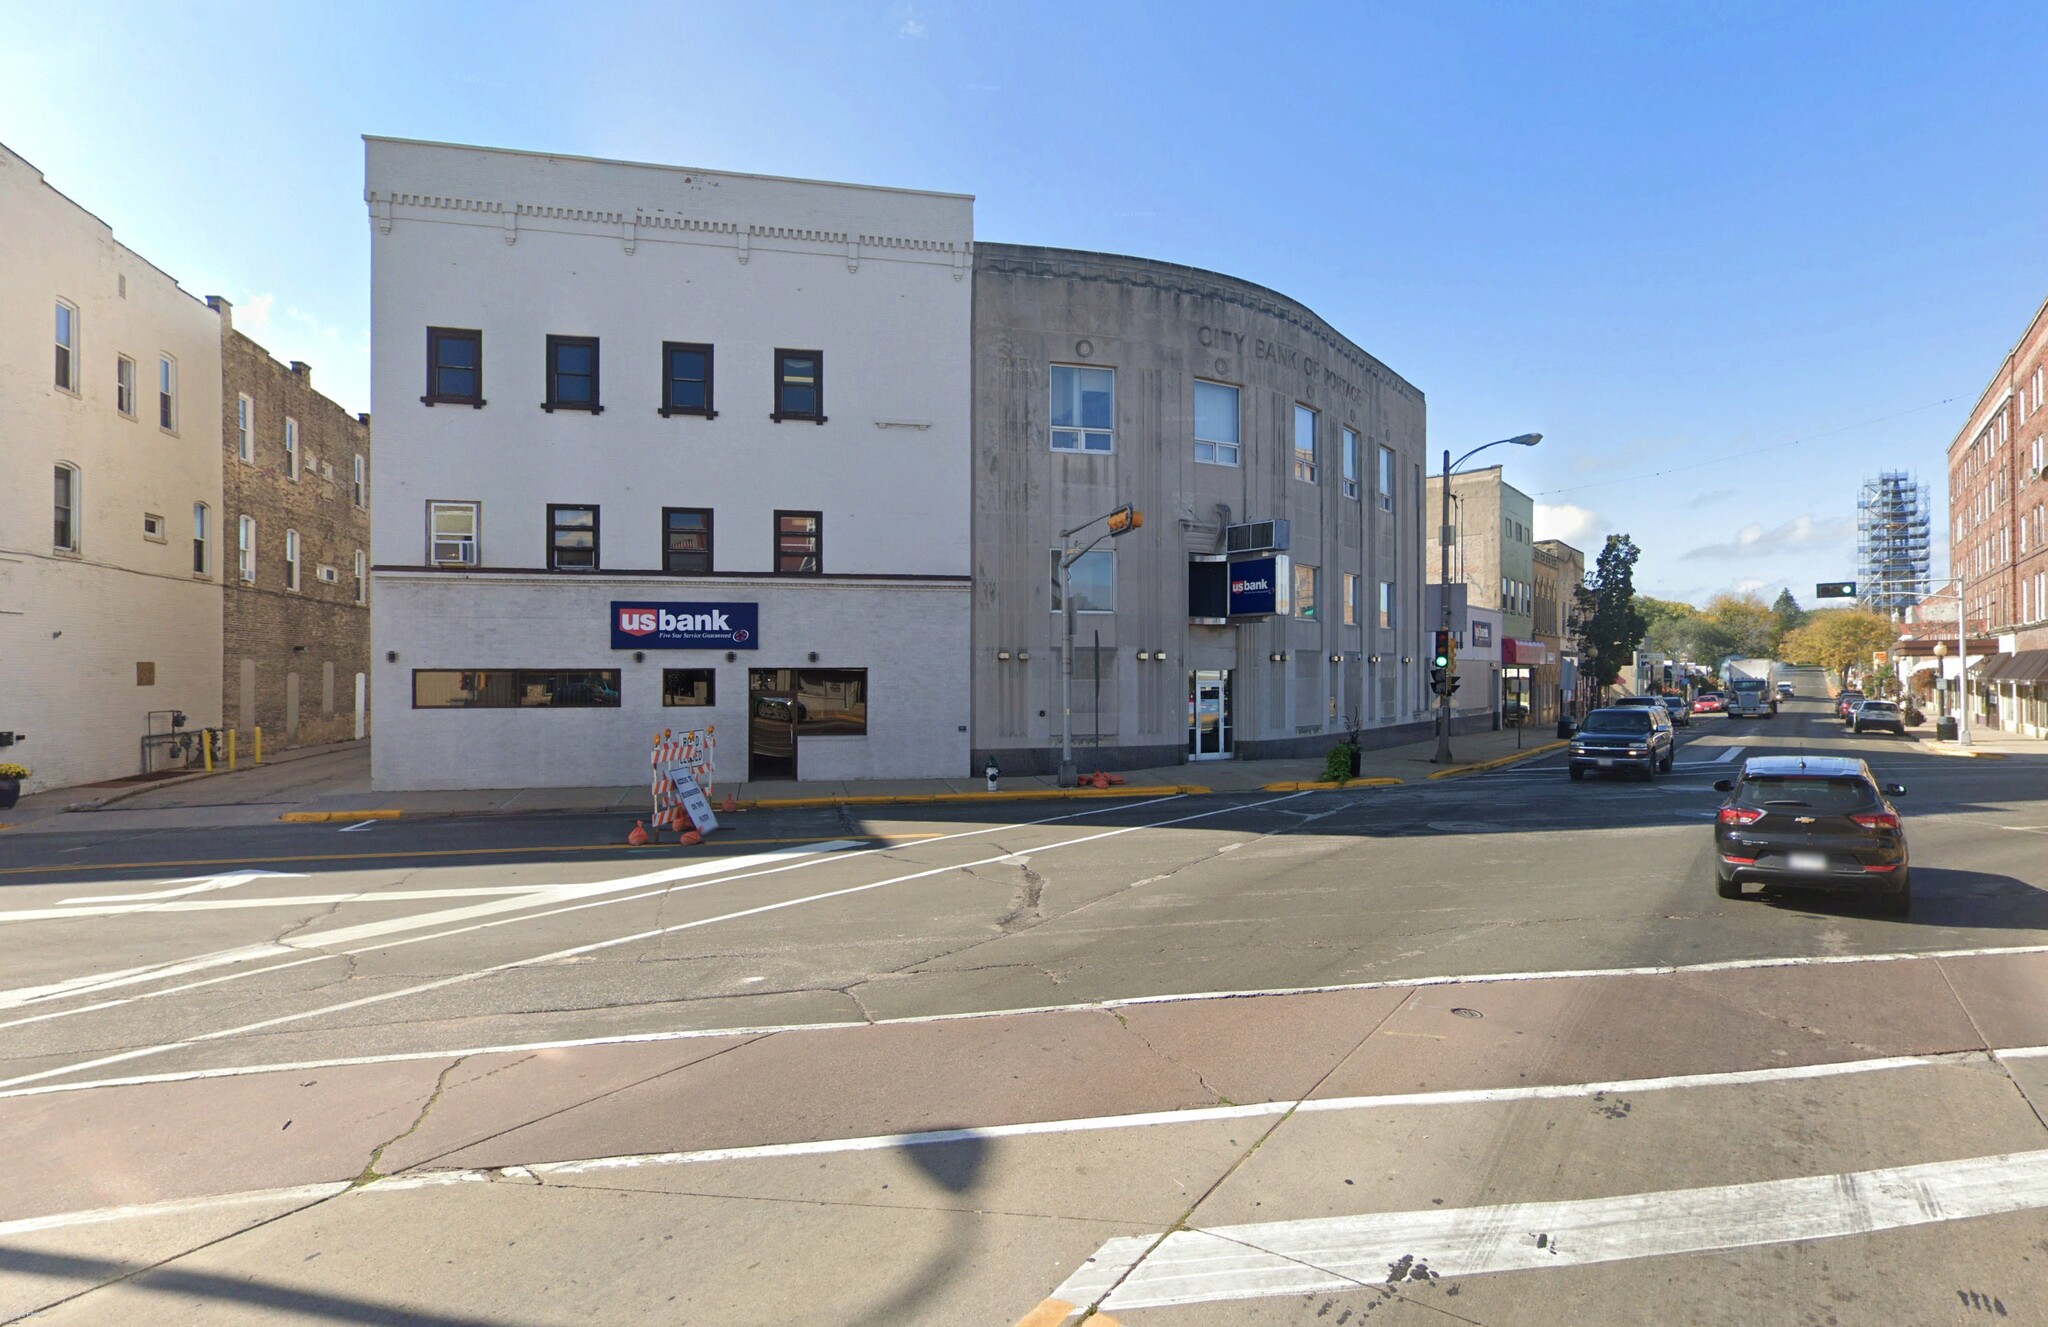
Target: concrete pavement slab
<point x="125" y="1145"/>
<point x="1262" y="1049"/>
<point x="2006" y="995"/>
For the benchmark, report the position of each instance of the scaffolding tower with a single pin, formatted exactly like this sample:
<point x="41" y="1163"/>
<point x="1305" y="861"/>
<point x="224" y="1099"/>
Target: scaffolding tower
<point x="1892" y="561"/>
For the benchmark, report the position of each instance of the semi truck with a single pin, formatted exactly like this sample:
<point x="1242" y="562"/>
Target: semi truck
<point x="1751" y="693"/>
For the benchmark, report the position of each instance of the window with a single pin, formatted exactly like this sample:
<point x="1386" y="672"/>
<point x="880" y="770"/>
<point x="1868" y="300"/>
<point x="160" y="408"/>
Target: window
<point x="686" y="379"/>
<point x="1216" y="423"/>
<point x="1350" y="461"/>
<point x="1305" y="444"/>
<point x="829" y="702"/>
<point x="67" y="347"/>
<point x="64" y="535"/>
<point x="454" y="532"/>
<point x="1304" y="590"/>
<point x="1083" y="409"/>
<point x="572" y="538"/>
<point x="686" y="540"/>
<point x="245" y="549"/>
<point x="1386" y="487"/>
<point x="199" y="539"/>
<point x="515" y="688"/>
<point x="799" y="543"/>
<point x="155" y="528"/>
<point x="359" y="484"/>
<point x="572" y="374"/>
<point x="167" y="393"/>
<point x="455" y="367"/>
<point x="245" y="427"/>
<point x="799" y="385"/>
<point x="291" y="560"/>
<point x="291" y="447"/>
<point x="1350" y="599"/>
<point x="689" y="687"/>
<point x="124" y="385"/>
<point x="362" y="577"/>
<point x="1092" y="578"/>
<point x="1386" y="606"/>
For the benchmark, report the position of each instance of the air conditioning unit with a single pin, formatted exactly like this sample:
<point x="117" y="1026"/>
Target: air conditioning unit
<point x="327" y="575"/>
<point x="1255" y="537"/>
<point x="454" y="552"/>
<point x="327" y="471"/>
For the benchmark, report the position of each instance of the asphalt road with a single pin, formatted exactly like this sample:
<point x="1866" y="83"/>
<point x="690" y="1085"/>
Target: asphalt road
<point x="1485" y="1050"/>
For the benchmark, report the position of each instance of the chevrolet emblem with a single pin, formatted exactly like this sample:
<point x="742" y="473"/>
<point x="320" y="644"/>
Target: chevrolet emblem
<point x="1802" y="820"/>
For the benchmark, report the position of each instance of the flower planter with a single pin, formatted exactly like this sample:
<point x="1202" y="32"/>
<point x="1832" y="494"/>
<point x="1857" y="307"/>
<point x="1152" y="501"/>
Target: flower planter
<point x="10" y="793"/>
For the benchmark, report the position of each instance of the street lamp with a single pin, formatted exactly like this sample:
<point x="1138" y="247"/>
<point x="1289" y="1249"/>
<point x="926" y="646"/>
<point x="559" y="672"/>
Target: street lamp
<point x="1443" y="539"/>
<point x="1120" y="522"/>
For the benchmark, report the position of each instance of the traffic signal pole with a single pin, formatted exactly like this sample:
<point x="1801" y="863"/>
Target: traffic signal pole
<point x="1121" y="522"/>
<point x="1443" y="543"/>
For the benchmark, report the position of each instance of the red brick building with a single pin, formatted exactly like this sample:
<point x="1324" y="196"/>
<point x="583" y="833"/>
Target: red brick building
<point x="1998" y="533"/>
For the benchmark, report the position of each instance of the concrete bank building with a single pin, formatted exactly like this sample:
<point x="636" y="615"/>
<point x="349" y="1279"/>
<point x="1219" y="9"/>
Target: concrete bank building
<point x="1272" y="598"/>
<point x="664" y="449"/>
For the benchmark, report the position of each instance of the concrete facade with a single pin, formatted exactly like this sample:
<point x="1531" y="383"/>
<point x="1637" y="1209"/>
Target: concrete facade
<point x="121" y="615"/>
<point x="296" y="646"/>
<point x="520" y="247"/>
<point x="1493" y="556"/>
<point x="1282" y="684"/>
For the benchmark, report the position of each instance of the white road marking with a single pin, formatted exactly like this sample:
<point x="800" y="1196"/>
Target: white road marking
<point x="358" y="826"/>
<point x="283" y="901"/>
<point x="143" y="1052"/>
<point x="1271" y="1258"/>
<point x="172" y="1207"/>
<point x="1099" y="1006"/>
<point x="250" y="953"/>
<point x="1728" y="755"/>
<point x="204" y="884"/>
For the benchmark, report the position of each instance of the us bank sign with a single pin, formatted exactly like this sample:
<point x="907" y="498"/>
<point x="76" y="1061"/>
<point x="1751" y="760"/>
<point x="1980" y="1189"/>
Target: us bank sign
<point x="643" y="626"/>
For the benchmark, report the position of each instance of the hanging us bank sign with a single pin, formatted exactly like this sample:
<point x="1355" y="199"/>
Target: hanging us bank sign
<point x="685" y="626"/>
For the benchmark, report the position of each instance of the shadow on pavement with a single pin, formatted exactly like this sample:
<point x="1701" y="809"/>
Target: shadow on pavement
<point x="1942" y="896"/>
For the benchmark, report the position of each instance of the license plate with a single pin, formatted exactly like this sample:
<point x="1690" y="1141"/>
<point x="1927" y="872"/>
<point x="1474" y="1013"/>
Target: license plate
<point x="1807" y="861"/>
<point x="1606" y="762"/>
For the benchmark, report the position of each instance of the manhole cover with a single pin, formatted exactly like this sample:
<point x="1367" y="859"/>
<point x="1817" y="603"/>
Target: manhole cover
<point x="1468" y="1013"/>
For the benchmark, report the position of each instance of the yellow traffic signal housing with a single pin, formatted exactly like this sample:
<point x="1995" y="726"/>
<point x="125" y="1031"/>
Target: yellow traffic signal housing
<point x="1125" y="519"/>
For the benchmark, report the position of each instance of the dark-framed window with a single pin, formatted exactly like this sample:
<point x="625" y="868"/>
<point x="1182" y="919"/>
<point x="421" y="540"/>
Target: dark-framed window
<point x="686" y="379"/>
<point x="799" y="385"/>
<point x="572" y="537"/>
<point x="455" y="367"/>
<point x="686" y="540"/>
<point x="826" y="702"/>
<point x="515" y="688"/>
<point x="799" y="543"/>
<point x="689" y="687"/>
<point x="572" y="374"/>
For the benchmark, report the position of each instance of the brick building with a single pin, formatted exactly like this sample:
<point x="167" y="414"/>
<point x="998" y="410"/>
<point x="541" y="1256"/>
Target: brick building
<point x="1998" y="534"/>
<point x="295" y="560"/>
<point x="1559" y="568"/>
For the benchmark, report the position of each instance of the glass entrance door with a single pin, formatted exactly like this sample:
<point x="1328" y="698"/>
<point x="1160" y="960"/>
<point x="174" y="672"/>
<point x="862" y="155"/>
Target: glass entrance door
<point x="1209" y="715"/>
<point x="771" y="727"/>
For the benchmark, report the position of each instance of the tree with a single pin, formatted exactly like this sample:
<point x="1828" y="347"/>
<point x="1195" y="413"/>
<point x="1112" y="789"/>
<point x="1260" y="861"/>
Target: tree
<point x="1786" y="609"/>
<point x="1746" y="620"/>
<point x="1612" y="624"/>
<point x="1840" y="639"/>
<point x="1697" y="638"/>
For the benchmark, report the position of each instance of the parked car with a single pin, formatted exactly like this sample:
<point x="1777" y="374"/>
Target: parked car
<point x="1877" y="715"/>
<point x="1624" y="737"/>
<point x="1681" y="713"/>
<point x="1844" y="702"/>
<point x="1812" y="822"/>
<point x="1708" y="702"/>
<point x="1785" y="690"/>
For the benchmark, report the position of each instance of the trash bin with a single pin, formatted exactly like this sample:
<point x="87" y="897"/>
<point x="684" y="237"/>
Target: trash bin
<point x="1945" y="728"/>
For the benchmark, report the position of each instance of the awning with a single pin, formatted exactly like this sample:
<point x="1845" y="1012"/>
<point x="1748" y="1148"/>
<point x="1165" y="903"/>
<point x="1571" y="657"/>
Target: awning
<point x="2022" y="667"/>
<point x="1523" y="653"/>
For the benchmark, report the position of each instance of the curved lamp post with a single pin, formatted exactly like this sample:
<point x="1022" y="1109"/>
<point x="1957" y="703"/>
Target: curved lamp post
<point x="1443" y="539"/>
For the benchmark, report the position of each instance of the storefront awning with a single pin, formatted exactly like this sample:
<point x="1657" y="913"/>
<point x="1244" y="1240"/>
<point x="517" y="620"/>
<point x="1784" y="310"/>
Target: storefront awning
<point x="2023" y="667"/>
<point x="1523" y="653"/>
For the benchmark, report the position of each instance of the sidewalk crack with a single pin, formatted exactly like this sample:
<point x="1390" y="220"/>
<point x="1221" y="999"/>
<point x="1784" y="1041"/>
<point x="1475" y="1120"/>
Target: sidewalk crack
<point x="370" y="1174"/>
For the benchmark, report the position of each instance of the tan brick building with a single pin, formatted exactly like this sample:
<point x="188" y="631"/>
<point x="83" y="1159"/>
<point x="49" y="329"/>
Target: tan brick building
<point x="295" y="529"/>
<point x="1558" y="570"/>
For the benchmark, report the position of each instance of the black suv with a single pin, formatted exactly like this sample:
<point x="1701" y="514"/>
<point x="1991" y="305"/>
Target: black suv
<point x="1636" y="738"/>
<point x="1812" y="822"/>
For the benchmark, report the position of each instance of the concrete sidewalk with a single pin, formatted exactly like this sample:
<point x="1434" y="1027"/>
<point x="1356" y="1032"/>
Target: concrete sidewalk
<point x="333" y="783"/>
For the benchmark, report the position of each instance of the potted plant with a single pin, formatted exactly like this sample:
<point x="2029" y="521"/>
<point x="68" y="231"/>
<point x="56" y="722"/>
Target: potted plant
<point x="10" y="784"/>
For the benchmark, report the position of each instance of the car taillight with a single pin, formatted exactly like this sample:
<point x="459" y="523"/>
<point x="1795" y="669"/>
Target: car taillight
<point x="1877" y="820"/>
<point x="1739" y="815"/>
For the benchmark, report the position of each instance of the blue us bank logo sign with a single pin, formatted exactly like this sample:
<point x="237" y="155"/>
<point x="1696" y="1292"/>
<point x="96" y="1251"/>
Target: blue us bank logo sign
<point x="640" y="626"/>
<point x="1259" y="587"/>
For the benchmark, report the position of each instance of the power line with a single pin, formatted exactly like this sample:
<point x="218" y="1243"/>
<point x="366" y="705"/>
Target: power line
<point x="1726" y="457"/>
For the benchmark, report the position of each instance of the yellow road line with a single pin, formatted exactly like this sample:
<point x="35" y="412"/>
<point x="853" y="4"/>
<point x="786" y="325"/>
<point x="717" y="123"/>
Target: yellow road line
<point x="1022" y="795"/>
<point x="304" y="817"/>
<point x="1499" y="761"/>
<point x="419" y="852"/>
<point x="1317" y="785"/>
<point x="1052" y="1312"/>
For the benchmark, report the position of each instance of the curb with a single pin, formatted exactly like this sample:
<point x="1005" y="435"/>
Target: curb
<point x="1498" y="761"/>
<point x="1934" y="748"/>
<point x="922" y="799"/>
<point x="315" y="817"/>
<point x="1330" y="785"/>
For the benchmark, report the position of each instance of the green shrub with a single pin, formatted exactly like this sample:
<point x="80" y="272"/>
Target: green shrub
<point x="1337" y="768"/>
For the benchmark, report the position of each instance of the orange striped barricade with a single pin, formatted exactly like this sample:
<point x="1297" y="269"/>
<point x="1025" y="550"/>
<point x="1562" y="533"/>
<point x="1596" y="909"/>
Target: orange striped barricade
<point x="689" y="752"/>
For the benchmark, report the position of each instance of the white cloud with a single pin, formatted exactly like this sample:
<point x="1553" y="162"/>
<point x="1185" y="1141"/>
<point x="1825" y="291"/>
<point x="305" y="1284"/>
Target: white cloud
<point x="252" y="315"/>
<point x="912" y="27"/>
<point x="1575" y="525"/>
<point x="1753" y="540"/>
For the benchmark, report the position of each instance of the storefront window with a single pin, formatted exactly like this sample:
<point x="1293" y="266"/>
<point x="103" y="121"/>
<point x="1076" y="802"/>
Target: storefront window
<point x="514" y="688"/>
<point x="688" y="686"/>
<point x="827" y="702"/>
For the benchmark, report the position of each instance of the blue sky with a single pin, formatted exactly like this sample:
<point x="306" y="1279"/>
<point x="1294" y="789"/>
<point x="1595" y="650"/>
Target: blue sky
<point x="1659" y="234"/>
